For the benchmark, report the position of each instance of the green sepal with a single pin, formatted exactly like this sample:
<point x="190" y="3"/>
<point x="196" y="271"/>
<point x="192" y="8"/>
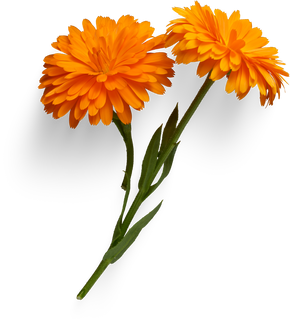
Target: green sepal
<point x="115" y="253"/>
<point x="149" y="161"/>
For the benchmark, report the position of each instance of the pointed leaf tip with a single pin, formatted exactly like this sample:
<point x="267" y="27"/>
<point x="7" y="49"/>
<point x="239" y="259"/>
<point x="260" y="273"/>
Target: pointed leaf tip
<point x="149" y="161"/>
<point x="117" y="251"/>
<point x="169" y="129"/>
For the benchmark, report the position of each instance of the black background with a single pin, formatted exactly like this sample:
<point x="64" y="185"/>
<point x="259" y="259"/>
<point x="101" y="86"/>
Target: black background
<point x="62" y="186"/>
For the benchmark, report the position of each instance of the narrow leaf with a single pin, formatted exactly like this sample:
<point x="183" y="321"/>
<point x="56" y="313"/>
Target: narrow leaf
<point x="117" y="251"/>
<point x="166" y="169"/>
<point x="149" y="161"/>
<point x="169" y="129"/>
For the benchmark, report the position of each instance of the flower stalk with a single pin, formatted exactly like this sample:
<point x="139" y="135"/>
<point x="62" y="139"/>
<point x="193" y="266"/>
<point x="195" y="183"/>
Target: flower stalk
<point x="162" y="158"/>
<point x="126" y="133"/>
<point x="123" y="237"/>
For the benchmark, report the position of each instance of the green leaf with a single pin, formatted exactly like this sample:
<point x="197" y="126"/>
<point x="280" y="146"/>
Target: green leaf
<point x="166" y="169"/>
<point x="149" y="161"/>
<point x="169" y="129"/>
<point x="168" y="147"/>
<point x="115" y="253"/>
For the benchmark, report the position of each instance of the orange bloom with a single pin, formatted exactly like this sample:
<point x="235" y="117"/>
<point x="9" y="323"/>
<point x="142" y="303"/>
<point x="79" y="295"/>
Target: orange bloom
<point x="223" y="44"/>
<point x="104" y="67"/>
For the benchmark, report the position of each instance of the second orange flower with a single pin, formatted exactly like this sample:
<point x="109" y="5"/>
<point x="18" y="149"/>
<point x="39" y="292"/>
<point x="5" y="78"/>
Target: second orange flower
<point x="224" y="45"/>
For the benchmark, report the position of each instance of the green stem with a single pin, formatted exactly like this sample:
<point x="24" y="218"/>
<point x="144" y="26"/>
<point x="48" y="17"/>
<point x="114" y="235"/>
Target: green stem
<point x="126" y="132"/>
<point x="101" y="268"/>
<point x="131" y="213"/>
<point x="183" y="122"/>
<point x="171" y="144"/>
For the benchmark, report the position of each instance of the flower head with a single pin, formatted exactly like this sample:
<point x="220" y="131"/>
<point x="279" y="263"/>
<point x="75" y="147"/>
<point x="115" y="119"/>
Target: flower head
<point x="224" y="45"/>
<point x="104" y="67"/>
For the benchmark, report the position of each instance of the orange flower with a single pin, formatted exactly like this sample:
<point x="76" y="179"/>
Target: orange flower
<point x="223" y="44"/>
<point x="104" y="67"/>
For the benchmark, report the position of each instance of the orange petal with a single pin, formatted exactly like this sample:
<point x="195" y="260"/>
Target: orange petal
<point x="126" y="115"/>
<point x="73" y="97"/>
<point x="139" y="90"/>
<point x="244" y="81"/>
<point x="84" y="102"/>
<point x="49" y="108"/>
<point x="155" y="87"/>
<point x="204" y="67"/>
<point x="235" y="58"/>
<point x="73" y="122"/>
<point x="262" y="85"/>
<point x="84" y="112"/>
<point x="106" y="113"/>
<point x="55" y="111"/>
<point x="92" y="109"/>
<point x="216" y="72"/>
<point x="46" y="80"/>
<point x="65" y="108"/>
<point x="102" y="78"/>
<point x="46" y="100"/>
<point x="54" y="71"/>
<point x="231" y="84"/>
<point x="77" y="110"/>
<point x="94" y="120"/>
<point x="163" y="79"/>
<point x="87" y="86"/>
<point x="101" y="99"/>
<point x="131" y="98"/>
<point x="95" y="90"/>
<point x="224" y="63"/>
<point x="79" y="83"/>
<point x="60" y="98"/>
<point x="116" y="100"/>
<point x="266" y="76"/>
<point x="66" y="85"/>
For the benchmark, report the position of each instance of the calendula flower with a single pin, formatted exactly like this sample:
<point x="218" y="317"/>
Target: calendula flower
<point x="224" y="45"/>
<point x="113" y="65"/>
<point x="104" y="67"/>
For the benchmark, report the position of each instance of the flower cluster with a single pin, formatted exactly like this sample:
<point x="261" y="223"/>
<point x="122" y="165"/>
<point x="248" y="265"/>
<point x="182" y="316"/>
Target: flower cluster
<point x="112" y="66"/>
